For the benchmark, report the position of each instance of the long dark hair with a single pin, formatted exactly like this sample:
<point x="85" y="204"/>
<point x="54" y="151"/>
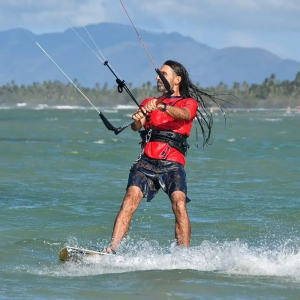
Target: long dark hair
<point x="189" y="90"/>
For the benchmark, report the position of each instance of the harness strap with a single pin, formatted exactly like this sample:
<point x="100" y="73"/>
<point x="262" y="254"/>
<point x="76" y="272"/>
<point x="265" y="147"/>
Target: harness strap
<point x="175" y="140"/>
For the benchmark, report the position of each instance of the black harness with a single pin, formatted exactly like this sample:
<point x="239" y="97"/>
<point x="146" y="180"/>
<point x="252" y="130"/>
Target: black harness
<point x="175" y="140"/>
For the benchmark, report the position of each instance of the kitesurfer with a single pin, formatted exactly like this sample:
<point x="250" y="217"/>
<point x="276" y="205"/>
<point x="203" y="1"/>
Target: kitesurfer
<point x="164" y="145"/>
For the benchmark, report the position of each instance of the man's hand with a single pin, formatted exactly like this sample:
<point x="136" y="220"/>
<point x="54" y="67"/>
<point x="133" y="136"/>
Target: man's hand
<point x="139" y="114"/>
<point x="151" y="105"/>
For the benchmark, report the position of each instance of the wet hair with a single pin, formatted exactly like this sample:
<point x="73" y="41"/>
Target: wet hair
<point x="189" y="90"/>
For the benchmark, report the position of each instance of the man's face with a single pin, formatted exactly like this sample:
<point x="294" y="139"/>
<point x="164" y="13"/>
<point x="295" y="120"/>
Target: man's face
<point x="169" y="74"/>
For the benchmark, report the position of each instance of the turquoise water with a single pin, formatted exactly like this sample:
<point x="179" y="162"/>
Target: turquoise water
<point x="63" y="177"/>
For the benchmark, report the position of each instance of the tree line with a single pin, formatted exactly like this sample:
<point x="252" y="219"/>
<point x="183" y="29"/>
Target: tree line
<point x="272" y="93"/>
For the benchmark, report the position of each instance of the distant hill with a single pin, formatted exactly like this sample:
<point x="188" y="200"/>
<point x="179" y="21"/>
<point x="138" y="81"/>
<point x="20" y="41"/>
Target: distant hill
<point x="21" y="59"/>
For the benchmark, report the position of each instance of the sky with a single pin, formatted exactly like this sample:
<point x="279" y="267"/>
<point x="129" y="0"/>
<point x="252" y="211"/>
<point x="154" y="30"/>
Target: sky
<point x="273" y="25"/>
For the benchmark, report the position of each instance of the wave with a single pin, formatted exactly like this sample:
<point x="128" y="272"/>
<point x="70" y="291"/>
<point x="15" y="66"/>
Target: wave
<point x="61" y="107"/>
<point x="42" y="106"/>
<point x="124" y="107"/>
<point x="99" y="142"/>
<point x="21" y="104"/>
<point x="231" y="258"/>
<point x="272" y="119"/>
<point x="116" y="108"/>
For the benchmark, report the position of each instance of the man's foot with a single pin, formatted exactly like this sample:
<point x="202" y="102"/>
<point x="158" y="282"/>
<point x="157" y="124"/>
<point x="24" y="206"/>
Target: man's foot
<point x="108" y="251"/>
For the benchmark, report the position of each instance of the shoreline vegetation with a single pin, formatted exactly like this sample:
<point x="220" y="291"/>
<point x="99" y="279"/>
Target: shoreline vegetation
<point x="272" y="93"/>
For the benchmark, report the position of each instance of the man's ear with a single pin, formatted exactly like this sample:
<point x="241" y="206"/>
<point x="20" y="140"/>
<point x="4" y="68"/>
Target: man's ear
<point x="178" y="79"/>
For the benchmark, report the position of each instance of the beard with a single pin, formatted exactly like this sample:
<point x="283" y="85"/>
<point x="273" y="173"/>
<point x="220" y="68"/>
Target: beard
<point x="160" y="87"/>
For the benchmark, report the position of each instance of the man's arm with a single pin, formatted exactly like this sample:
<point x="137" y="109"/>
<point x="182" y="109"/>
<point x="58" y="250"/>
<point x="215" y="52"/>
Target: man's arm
<point x="139" y="118"/>
<point x="176" y="112"/>
<point x="137" y="125"/>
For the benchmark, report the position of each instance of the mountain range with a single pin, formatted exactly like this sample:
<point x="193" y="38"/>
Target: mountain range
<point x="22" y="61"/>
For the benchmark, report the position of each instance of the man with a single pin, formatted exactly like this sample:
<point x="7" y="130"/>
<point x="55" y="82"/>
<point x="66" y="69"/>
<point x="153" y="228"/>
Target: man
<point x="167" y="123"/>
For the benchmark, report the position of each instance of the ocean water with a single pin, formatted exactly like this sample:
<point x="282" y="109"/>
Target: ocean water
<point x="63" y="177"/>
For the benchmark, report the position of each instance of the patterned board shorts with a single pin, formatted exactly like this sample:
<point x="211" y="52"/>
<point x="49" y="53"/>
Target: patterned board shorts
<point x="152" y="174"/>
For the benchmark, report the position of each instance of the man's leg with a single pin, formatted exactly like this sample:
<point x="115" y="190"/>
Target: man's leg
<point x="182" y="221"/>
<point x="130" y="204"/>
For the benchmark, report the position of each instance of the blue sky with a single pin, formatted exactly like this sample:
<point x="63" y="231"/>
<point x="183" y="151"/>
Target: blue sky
<point x="273" y="25"/>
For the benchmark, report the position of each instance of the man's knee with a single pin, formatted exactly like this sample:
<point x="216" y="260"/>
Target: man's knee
<point x="132" y="199"/>
<point x="178" y="196"/>
<point x="134" y="193"/>
<point x="178" y="200"/>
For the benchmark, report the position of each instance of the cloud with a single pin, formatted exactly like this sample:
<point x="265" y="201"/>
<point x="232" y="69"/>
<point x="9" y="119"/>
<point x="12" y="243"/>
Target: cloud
<point x="48" y="15"/>
<point x="218" y="23"/>
<point x="248" y="14"/>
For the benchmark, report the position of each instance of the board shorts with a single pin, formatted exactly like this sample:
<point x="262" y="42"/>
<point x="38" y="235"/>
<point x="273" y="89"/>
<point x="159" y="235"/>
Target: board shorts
<point x="152" y="174"/>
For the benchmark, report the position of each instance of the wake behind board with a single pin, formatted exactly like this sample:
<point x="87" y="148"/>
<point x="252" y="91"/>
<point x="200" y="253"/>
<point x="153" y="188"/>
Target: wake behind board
<point x="69" y="253"/>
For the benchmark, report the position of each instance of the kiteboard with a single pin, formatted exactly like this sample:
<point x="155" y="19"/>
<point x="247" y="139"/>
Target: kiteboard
<point x="73" y="253"/>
